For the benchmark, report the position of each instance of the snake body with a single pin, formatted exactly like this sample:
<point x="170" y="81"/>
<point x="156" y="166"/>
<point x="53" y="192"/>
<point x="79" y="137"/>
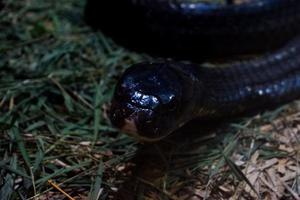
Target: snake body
<point x="191" y="29"/>
<point x="152" y="100"/>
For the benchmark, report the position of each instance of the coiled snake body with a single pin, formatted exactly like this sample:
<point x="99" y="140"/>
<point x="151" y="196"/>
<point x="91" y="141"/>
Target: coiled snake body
<point x="152" y="100"/>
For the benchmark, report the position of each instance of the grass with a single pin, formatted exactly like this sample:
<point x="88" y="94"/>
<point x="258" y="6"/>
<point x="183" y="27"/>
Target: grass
<point x="56" y="80"/>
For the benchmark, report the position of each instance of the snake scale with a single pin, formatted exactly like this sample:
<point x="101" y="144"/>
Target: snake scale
<point x="153" y="99"/>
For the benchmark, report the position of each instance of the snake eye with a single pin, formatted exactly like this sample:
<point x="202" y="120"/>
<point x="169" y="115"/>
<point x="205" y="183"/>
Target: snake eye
<point x="173" y="104"/>
<point x="169" y="101"/>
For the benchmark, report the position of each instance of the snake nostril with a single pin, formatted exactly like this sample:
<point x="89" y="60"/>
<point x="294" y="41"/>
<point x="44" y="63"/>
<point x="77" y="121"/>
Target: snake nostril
<point x="116" y="117"/>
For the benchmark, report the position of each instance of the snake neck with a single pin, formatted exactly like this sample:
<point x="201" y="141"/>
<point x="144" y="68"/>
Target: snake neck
<point x="255" y="84"/>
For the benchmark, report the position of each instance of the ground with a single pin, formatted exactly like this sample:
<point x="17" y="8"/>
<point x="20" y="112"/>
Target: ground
<point x="56" y="80"/>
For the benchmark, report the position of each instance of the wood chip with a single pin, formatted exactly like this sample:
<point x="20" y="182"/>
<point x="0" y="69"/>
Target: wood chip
<point x="283" y="147"/>
<point x="281" y="166"/>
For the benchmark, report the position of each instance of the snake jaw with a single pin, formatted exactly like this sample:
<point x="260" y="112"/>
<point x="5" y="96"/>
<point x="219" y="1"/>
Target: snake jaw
<point x="129" y="126"/>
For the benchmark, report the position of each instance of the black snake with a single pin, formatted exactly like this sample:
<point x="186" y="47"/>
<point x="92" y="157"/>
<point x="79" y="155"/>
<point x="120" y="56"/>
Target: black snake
<point x="152" y="99"/>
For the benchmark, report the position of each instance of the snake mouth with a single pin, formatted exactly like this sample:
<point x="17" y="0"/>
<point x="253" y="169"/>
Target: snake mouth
<point x="137" y="122"/>
<point x="144" y="139"/>
<point x="129" y="126"/>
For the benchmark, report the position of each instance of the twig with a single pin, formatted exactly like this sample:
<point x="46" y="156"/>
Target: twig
<point x="59" y="189"/>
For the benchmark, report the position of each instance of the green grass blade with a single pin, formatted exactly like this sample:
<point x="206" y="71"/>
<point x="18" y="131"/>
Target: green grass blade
<point x="97" y="183"/>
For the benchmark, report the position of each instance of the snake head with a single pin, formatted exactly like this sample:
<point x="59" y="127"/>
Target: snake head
<point x="149" y="101"/>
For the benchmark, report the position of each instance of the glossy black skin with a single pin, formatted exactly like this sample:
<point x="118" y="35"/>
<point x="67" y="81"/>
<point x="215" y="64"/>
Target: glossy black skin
<point x="196" y="31"/>
<point x="157" y="98"/>
<point x="1" y="5"/>
<point x="161" y="97"/>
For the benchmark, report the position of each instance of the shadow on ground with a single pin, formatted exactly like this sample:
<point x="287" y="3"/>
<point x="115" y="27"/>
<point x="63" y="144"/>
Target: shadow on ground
<point x="155" y="162"/>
